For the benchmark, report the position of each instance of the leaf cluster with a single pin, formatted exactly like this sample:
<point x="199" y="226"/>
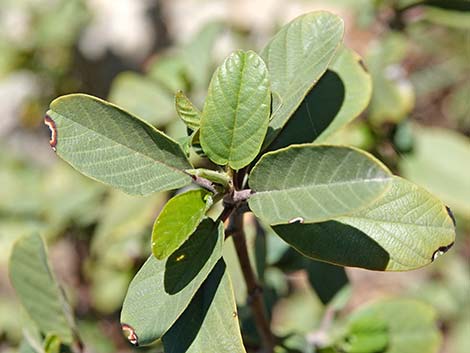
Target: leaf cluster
<point x="263" y="129"/>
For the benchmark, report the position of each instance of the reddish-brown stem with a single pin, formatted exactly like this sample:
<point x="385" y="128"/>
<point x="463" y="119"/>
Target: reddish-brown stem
<point x="255" y="292"/>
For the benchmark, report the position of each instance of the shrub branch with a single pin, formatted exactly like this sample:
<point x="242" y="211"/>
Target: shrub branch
<point x="255" y="291"/>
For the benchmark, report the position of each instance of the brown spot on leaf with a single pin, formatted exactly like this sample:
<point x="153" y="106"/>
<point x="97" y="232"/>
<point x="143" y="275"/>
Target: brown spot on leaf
<point x="451" y="215"/>
<point x="441" y="251"/>
<point x="129" y="332"/>
<point x="361" y="62"/>
<point x="53" y="129"/>
<point x="234" y="314"/>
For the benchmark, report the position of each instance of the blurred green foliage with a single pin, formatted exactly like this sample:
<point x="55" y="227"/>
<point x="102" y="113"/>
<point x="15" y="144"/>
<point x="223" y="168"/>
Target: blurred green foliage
<point x="419" y="59"/>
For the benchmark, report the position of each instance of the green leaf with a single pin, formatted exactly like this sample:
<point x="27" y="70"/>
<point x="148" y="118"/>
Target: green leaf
<point x="12" y="229"/>
<point x="70" y="17"/>
<point x="94" y="337"/>
<point x="214" y="176"/>
<point x="187" y="111"/>
<point x="357" y="134"/>
<point x="312" y="183"/>
<point x="411" y="325"/>
<point x="26" y="347"/>
<point x="107" y="285"/>
<point x="326" y="279"/>
<point x="10" y="327"/>
<point x="450" y="13"/>
<point x="59" y="186"/>
<point x="236" y="112"/>
<point x="162" y="290"/>
<point x="297" y="56"/>
<point x="405" y="229"/>
<point x="393" y="96"/>
<point x="178" y="220"/>
<point x="123" y="228"/>
<point x="197" y="54"/>
<point x="439" y="162"/>
<point x="342" y="93"/>
<point x="458" y="5"/>
<point x="210" y="322"/>
<point x="366" y="334"/>
<point x="143" y="97"/>
<point x="358" y="85"/>
<point x="52" y="343"/>
<point x="168" y="71"/>
<point x="110" y="145"/>
<point x="38" y="290"/>
<point x="456" y="106"/>
<point x="31" y="333"/>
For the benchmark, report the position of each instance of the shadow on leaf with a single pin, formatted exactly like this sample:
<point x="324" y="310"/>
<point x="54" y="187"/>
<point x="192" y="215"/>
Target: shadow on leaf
<point x="335" y="242"/>
<point x="315" y="114"/>
<point x="186" y="262"/>
<point x="182" y="334"/>
<point x="325" y="278"/>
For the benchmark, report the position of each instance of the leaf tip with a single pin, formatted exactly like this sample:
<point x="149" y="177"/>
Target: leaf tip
<point x="130" y="334"/>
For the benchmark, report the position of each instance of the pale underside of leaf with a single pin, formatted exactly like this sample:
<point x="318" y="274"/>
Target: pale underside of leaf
<point x="312" y="183"/>
<point x="112" y="146"/>
<point x="407" y="228"/>
<point x="297" y="57"/>
<point x="409" y="223"/>
<point x="236" y="112"/>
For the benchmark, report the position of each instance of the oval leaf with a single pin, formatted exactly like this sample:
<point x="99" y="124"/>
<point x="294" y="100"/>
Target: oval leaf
<point x="38" y="290"/>
<point x="143" y="97"/>
<point x="162" y="290"/>
<point x="342" y="93"/>
<point x="405" y="229"/>
<point x="236" y="112"/>
<point x="178" y="220"/>
<point x="297" y="57"/>
<point x="313" y="183"/>
<point x="199" y="328"/>
<point x="167" y="69"/>
<point x="410" y="326"/>
<point x="326" y="279"/>
<point x="110" y="145"/>
<point x="190" y="115"/>
<point x="358" y="90"/>
<point x="197" y="55"/>
<point x="439" y="162"/>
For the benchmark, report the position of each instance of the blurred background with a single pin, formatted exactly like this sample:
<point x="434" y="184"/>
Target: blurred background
<point x="137" y="53"/>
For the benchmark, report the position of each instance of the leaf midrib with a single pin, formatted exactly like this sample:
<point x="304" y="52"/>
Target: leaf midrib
<point x="296" y="188"/>
<point x="232" y="135"/>
<point x="126" y="146"/>
<point x="292" y="83"/>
